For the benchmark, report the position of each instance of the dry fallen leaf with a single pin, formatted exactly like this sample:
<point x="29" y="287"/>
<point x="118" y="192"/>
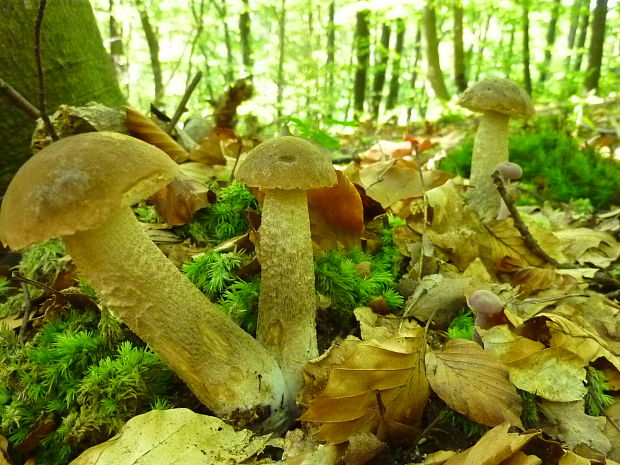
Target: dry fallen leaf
<point x="209" y="151"/>
<point x="380" y="387"/>
<point x="585" y="245"/>
<point x="471" y="381"/>
<point x="570" y="458"/>
<point x="178" y="201"/>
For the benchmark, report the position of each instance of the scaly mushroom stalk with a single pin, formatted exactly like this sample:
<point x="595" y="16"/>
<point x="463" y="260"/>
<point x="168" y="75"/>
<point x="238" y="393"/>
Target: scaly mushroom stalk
<point x="225" y="367"/>
<point x="287" y="302"/>
<point x="490" y="149"/>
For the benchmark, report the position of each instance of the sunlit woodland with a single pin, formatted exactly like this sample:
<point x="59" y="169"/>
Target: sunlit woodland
<point x="309" y="232"/>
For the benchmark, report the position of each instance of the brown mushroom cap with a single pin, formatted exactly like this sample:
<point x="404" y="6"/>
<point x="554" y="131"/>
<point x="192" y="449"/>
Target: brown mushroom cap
<point x="287" y="162"/>
<point x="499" y="95"/>
<point x="75" y="183"/>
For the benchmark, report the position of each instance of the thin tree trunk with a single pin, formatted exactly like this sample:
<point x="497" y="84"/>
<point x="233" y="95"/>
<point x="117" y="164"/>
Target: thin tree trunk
<point x="572" y="32"/>
<point x="153" y="43"/>
<point x="362" y="50"/>
<point x="245" y="37"/>
<point x="331" y="50"/>
<point x="482" y="46"/>
<point x="197" y="15"/>
<point x="460" y="77"/>
<point x="417" y="50"/>
<point x="595" y="51"/>
<point x="527" y="77"/>
<point x="551" y="33"/>
<point x="398" y="52"/>
<point x="381" y="61"/>
<point x="435" y="75"/>
<point x="282" y="47"/>
<point x="583" y="35"/>
<point x="510" y="52"/>
<point x="116" y="39"/>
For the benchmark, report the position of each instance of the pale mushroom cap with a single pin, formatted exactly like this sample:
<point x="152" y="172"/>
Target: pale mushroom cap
<point x="287" y="162"/>
<point x="75" y="183"/>
<point x="499" y="95"/>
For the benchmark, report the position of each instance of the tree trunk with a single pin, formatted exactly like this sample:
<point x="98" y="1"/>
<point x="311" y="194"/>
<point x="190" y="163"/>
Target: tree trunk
<point x="116" y="39"/>
<point x="331" y="49"/>
<point x="551" y="32"/>
<point x="245" y="37"/>
<point x="435" y="75"/>
<point x="362" y="50"/>
<point x="510" y="52"/>
<point x="572" y="32"/>
<point x="414" y="69"/>
<point x="527" y="77"/>
<point x="482" y="46"/>
<point x="381" y="58"/>
<point x="460" y="78"/>
<point x="583" y="35"/>
<point x="153" y="43"/>
<point x="69" y="36"/>
<point x="595" y="52"/>
<point x="282" y="42"/>
<point x="398" y="52"/>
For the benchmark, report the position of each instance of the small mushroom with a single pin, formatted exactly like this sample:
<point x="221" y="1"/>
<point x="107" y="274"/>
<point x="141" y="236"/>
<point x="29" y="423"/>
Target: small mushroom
<point x="485" y="303"/>
<point x="498" y="99"/>
<point x="285" y="167"/>
<point x="81" y="188"/>
<point x="509" y="172"/>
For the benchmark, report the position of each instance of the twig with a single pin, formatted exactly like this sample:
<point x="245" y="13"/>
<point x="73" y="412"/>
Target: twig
<point x="424" y="208"/>
<point x="19" y="100"/>
<point x="37" y="51"/>
<point x="181" y="108"/>
<point x="528" y="239"/>
<point x="234" y="168"/>
<point x="380" y="177"/>
<point x="21" y="279"/>
<point x="27" y="308"/>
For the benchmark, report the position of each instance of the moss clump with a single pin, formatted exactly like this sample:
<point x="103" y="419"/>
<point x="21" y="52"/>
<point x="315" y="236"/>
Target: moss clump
<point x="77" y="381"/>
<point x="462" y="326"/>
<point x="596" y="398"/>
<point x="212" y="272"/>
<point x="555" y="167"/>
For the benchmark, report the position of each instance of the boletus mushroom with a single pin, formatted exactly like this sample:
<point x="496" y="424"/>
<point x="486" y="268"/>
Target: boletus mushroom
<point x="285" y="167"/>
<point x="81" y="188"/>
<point x="497" y="99"/>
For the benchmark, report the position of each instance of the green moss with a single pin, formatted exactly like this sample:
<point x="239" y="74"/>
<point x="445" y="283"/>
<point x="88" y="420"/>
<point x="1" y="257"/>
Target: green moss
<point x="596" y="398"/>
<point x="240" y="301"/>
<point x="212" y="272"/>
<point x="462" y="326"/>
<point x="530" y="415"/>
<point x="555" y="166"/>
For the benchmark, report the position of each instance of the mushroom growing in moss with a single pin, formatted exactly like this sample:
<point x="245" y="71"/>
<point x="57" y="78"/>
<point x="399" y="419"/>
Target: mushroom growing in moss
<point x="81" y="188"/>
<point x="285" y="167"/>
<point x="498" y="99"/>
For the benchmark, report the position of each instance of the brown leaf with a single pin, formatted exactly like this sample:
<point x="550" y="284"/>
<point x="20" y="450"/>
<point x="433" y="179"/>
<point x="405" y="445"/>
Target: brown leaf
<point x="531" y="279"/>
<point x="209" y="151"/>
<point x="143" y="128"/>
<point x="336" y="214"/>
<point x="471" y="381"/>
<point x="379" y="387"/>
<point x="178" y="201"/>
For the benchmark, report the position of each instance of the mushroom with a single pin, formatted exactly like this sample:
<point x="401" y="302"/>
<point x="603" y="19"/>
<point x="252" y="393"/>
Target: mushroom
<point x="509" y="172"/>
<point x="498" y="99"/>
<point x="81" y="188"/>
<point x="285" y="167"/>
<point x="485" y="303"/>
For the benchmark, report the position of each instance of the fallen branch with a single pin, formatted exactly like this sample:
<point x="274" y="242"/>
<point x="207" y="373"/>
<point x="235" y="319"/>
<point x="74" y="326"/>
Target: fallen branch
<point x="37" y="51"/>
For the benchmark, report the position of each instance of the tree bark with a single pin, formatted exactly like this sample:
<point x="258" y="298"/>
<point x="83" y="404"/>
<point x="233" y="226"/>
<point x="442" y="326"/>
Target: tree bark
<point x="331" y="50"/>
<point x="551" y="33"/>
<point x="527" y="77"/>
<point x="70" y="40"/>
<point x="572" y="32"/>
<point x="153" y="43"/>
<point x="435" y="75"/>
<point x="484" y="33"/>
<point x="398" y="52"/>
<point x="414" y="69"/>
<point x="583" y="35"/>
<point x="245" y="36"/>
<point x="381" y="58"/>
<point x="510" y="52"/>
<point x="362" y="50"/>
<point x="595" y="51"/>
<point x="282" y="46"/>
<point x="460" y="78"/>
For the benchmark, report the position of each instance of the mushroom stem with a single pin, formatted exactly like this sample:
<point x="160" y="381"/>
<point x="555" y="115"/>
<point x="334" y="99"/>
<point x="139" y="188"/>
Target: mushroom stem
<point x="287" y="302"/>
<point x="227" y="369"/>
<point x="490" y="149"/>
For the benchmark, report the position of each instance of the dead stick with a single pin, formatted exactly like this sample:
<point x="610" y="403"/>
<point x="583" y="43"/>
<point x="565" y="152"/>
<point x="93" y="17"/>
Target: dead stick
<point x="528" y="239"/>
<point x="27" y="308"/>
<point x="19" y="100"/>
<point x="181" y="108"/>
<point x="37" y="51"/>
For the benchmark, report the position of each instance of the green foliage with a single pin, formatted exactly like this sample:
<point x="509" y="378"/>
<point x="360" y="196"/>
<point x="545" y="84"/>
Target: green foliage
<point x="530" y="415"/>
<point x="240" y="301"/>
<point x="212" y="271"/>
<point x="43" y="262"/>
<point x="225" y="219"/>
<point x="5" y="287"/>
<point x="596" y="398"/>
<point x="87" y="383"/>
<point x="462" y="326"/>
<point x="310" y="130"/>
<point x="146" y="213"/>
<point x="556" y="162"/>
<point x="461" y="423"/>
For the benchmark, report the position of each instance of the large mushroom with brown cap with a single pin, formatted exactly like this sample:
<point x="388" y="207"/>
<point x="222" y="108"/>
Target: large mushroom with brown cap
<point x="285" y="167"/>
<point x="81" y="188"/>
<point x="498" y="99"/>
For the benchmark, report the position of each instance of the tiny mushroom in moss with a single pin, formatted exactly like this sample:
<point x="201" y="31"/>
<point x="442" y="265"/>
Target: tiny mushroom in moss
<point x="285" y="167"/>
<point x="485" y="303"/>
<point x="498" y="99"/>
<point x="509" y="172"/>
<point x="82" y="188"/>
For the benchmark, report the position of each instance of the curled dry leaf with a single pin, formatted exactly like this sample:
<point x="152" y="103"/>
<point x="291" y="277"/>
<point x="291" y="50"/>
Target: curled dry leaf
<point x="336" y="214"/>
<point x="178" y="201"/>
<point x="588" y="246"/>
<point x="209" y="151"/>
<point x="471" y="381"/>
<point x="380" y="387"/>
<point x="143" y="128"/>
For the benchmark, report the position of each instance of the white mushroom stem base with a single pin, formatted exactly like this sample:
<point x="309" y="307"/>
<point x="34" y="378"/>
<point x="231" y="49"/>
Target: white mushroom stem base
<point x="227" y="369"/>
<point x="490" y="149"/>
<point x="287" y="302"/>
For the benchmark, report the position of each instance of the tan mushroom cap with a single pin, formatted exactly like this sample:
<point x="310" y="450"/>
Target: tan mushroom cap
<point x="76" y="183"/>
<point x="287" y="162"/>
<point x="499" y="95"/>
